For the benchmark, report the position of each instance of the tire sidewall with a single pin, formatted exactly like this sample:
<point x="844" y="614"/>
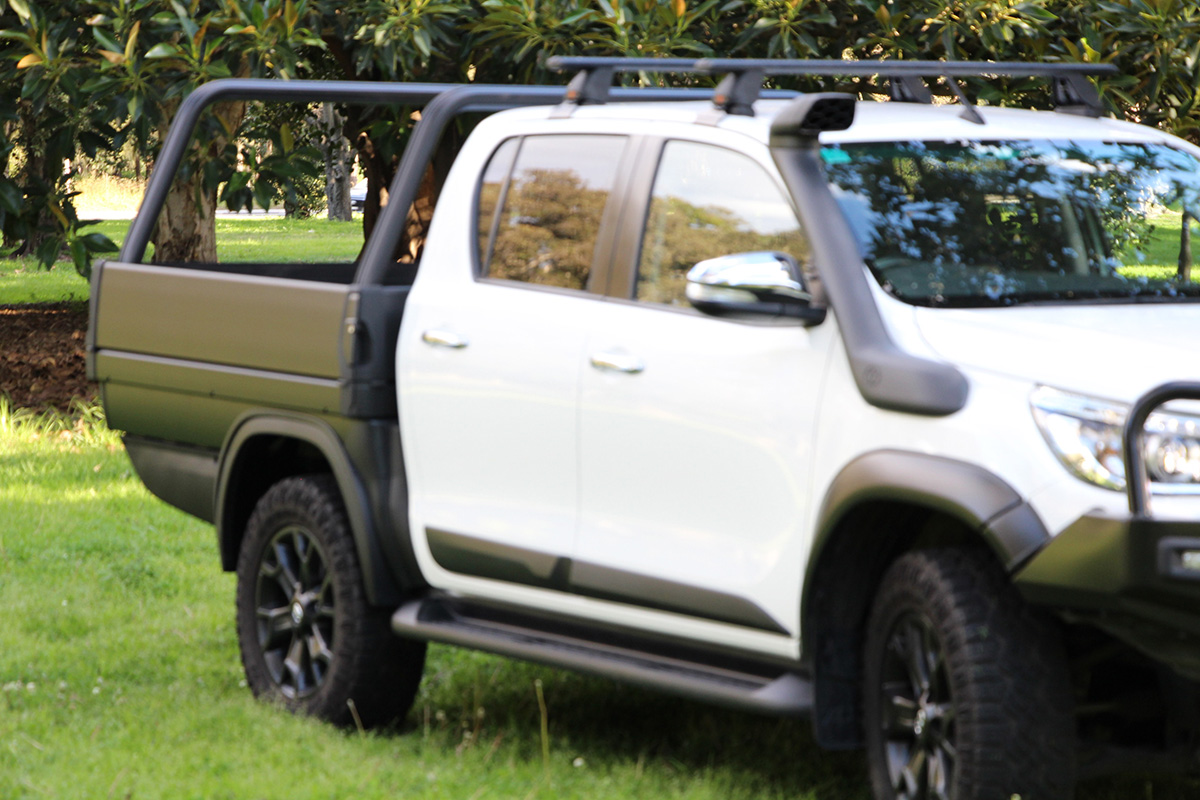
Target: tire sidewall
<point x="904" y="595"/>
<point x="298" y="503"/>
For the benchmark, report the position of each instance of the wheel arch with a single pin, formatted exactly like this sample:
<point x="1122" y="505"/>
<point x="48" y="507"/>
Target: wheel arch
<point x="264" y="448"/>
<point x="881" y="505"/>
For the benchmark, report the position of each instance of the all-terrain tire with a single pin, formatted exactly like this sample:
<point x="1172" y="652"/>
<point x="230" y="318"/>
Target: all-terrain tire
<point x="967" y="695"/>
<point x="309" y="639"/>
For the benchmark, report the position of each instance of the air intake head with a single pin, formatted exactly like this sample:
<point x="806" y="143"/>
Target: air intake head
<point x="811" y="114"/>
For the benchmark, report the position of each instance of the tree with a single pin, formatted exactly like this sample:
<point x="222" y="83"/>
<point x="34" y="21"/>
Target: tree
<point x="110" y="69"/>
<point x="46" y="118"/>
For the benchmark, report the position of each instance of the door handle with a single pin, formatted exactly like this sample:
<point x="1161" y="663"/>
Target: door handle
<point x="618" y="362"/>
<point x="444" y="339"/>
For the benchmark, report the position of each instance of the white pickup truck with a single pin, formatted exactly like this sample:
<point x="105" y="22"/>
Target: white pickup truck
<point x="794" y="403"/>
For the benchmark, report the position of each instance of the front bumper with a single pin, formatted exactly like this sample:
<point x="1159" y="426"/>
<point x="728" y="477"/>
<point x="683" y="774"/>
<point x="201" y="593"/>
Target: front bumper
<point x="1133" y="576"/>
<point x="1128" y="576"/>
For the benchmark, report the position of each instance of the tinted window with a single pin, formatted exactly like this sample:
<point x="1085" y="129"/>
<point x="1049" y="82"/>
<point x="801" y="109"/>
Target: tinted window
<point x="550" y="208"/>
<point x="709" y="202"/>
<point x="1005" y="222"/>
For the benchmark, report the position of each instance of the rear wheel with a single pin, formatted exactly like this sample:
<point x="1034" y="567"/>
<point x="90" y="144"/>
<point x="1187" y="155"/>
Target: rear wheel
<point x="967" y="694"/>
<point x="309" y="639"/>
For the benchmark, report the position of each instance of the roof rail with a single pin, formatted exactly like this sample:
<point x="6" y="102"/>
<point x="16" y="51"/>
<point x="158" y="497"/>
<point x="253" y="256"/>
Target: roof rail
<point x="742" y="83"/>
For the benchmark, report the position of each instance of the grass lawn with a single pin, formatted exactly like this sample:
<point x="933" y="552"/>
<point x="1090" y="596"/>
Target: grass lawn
<point x="120" y="677"/>
<point x="239" y="238"/>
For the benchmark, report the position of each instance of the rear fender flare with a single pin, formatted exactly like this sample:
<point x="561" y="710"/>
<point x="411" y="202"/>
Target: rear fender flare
<point x="379" y="584"/>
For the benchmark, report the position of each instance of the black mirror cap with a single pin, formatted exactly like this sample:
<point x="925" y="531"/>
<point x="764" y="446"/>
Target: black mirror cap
<point x="810" y="115"/>
<point x="808" y="316"/>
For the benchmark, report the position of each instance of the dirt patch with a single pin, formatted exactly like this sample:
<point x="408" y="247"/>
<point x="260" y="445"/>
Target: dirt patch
<point x="42" y="354"/>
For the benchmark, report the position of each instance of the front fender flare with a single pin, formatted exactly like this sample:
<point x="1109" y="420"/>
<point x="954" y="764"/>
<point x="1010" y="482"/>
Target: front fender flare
<point x="969" y="493"/>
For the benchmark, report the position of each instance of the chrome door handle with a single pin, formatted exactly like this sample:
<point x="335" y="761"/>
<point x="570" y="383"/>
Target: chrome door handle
<point x="618" y="362"/>
<point x="444" y="339"/>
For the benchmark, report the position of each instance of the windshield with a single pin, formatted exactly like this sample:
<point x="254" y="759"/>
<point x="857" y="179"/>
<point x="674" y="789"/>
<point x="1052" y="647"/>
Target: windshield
<point x="1004" y="222"/>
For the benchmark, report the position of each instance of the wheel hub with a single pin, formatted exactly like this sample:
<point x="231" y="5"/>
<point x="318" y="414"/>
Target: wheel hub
<point x="921" y="720"/>
<point x="298" y="612"/>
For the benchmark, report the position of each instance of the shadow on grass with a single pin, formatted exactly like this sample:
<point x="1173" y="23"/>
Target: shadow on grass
<point x="602" y="720"/>
<point x="596" y="718"/>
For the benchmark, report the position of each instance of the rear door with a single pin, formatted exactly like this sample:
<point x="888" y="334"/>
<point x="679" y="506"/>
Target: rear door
<point x="490" y="360"/>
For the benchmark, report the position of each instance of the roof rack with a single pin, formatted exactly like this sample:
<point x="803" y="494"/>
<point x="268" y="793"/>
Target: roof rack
<point x="743" y="77"/>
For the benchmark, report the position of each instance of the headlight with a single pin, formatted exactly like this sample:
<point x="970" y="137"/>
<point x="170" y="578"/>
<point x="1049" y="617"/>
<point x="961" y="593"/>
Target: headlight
<point x="1085" y="434"/>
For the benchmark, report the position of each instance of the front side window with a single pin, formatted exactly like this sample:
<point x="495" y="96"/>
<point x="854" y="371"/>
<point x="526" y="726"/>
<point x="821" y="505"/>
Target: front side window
<point x="539" y="219"/>
<point x="1005" y="222"/>
<point x="707" y="202"/>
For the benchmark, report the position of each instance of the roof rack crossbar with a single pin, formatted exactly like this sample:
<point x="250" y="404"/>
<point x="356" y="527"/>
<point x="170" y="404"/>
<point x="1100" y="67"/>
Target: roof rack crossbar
<point x="1071" y="89"/>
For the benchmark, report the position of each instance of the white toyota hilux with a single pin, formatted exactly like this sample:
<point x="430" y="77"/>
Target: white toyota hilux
<point x="882" y="412"/>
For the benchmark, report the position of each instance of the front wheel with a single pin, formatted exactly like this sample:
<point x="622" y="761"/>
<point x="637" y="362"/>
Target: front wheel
<point x="309" y="639"/>
<point x="966" y="690"/>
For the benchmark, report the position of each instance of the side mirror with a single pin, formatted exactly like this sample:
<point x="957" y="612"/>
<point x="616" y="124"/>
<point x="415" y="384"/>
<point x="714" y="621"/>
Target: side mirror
<point x="752" y="285"/>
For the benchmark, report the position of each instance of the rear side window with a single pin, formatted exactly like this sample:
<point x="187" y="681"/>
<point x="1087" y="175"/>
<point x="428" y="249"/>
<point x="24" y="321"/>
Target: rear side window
<point x="540" y="206"/>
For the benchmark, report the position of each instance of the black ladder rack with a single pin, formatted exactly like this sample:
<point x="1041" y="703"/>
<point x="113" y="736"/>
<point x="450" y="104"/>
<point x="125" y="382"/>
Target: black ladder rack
<point x="743" y="77"/>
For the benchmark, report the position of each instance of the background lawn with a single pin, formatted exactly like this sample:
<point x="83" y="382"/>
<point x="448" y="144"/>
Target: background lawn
<point x="241" y="237"/>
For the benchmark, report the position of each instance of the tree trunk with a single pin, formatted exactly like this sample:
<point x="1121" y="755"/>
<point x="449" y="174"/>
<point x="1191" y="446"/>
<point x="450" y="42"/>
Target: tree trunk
<point x="381" y="171"/>
<point x="39" y="177"/>
<point x="1184" y="272"/>
<point x="337" y="163"/>
<point x="187" y="223"/>
<point x="186" y="229"/>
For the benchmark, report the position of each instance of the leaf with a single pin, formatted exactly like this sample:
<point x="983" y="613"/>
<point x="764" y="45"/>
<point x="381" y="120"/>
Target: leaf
<point x="58" y="214"/>
<point x="286" y="138"/>
<point x="163" y="50"/>
<point x="131" y="44"/>
<point x="30" y="59"/>
<point x="11" y="198"/>
<point x="421" y="40"/>
<point x="105" y="40"/>
<point x="113" y="58"/>
<point x="679" y="7"/>
<point x="98" y="243"/>
<point x="263" y="194"/>
<point x="21" y="7"/>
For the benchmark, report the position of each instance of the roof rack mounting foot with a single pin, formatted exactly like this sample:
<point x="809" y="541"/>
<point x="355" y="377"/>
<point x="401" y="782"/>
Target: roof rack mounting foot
<point x="737" y="91"/>
<point x="909" y="89"/>
<point x="969" y="112"/>
<point x="1075" y="94"/>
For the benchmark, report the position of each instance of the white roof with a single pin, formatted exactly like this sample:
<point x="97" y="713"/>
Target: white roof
<point x="884" y="121"/>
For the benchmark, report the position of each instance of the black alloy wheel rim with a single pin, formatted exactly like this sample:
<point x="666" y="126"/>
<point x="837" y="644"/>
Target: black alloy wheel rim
<point x="295" y="607"/>
<point x="918" y="713"/>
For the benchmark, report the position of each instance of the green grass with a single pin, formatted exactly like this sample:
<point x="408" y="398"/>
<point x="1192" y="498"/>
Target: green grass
<point x="120" y="678"/>
<point x="278" y="239"/>
<point x="239" y="238"/>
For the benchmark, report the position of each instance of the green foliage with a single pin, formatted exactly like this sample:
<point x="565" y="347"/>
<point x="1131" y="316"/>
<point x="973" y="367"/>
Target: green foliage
<point x="93" y="74"/>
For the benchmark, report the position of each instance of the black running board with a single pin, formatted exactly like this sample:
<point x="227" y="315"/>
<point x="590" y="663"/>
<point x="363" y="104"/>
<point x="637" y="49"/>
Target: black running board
<point x="764" y="689"/>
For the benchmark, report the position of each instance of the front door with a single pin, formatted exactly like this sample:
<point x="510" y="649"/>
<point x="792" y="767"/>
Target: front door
<point x="696" y="433"/>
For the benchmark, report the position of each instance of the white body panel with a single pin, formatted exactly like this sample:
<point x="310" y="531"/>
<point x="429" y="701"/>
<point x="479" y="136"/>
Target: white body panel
<point x="696" y="470"/>
<point x="709" y="468"/>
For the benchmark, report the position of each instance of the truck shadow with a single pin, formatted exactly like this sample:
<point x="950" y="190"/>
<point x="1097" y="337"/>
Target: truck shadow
<point x="469" y="696"/>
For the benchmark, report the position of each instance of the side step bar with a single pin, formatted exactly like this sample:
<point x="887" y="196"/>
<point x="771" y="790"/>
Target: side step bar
<point x="764" y="689"/>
